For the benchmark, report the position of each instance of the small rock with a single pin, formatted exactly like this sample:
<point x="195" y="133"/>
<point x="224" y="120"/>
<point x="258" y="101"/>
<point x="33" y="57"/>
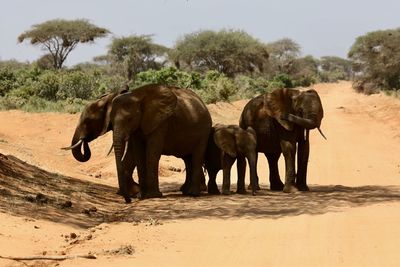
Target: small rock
<point x="66" y="204"/>
<point x="88" y="211"/>
<point x="44" y="252"/>
<point x="89" y="237"/>
<point x="36" y="227"/>
<point x="41" y="199"/>
<point x="98" y="176"/>
<point x="72" y="235"/>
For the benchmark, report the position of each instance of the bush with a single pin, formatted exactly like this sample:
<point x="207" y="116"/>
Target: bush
<point x="7" y="80"/>
<point x="283" y="79"/>
<point x="76" y="85"/>
<point x="48" y="85"/>
<point x="217" y="87"/>
<point x="169" y="76"/>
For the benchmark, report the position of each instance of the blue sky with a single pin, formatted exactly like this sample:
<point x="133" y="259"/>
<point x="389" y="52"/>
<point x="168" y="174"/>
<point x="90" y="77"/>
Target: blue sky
<point x="321" y="27"/>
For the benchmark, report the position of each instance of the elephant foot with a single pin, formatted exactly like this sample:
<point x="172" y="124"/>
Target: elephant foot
<point x="276" y="186"/>
<point x="290" y="189"/>
<point x="203" y="187"/>
<point x="127" y="200"/>
<point x="151" y="194"/>
<point x="191" y="192"/>
<point x="302" y="187"/>
<point x="183" y="187"/>
<point x="213" y="189"/>
<point x="132" y="192"/>
<point x="241" y="191"/>
<point x="226" y="192"/>
<point x="257" y="187"/>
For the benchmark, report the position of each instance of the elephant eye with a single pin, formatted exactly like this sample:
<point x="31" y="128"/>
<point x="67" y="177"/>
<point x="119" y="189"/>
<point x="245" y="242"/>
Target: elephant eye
<point x="300" y="111"/>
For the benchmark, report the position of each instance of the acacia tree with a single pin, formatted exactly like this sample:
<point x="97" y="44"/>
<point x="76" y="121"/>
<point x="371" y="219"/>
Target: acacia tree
<point x="133" y="54"/>
<point x="227" y="51"/>
<point x="375" y="58"/>
<point x="59" y="37"/>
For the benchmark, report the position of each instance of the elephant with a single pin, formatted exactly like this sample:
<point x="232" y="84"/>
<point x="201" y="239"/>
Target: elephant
<point x="282" y="120"/>
<point x="92" y="124"/>
<point x="150" y="121"/>
<point x="226" y="144"/>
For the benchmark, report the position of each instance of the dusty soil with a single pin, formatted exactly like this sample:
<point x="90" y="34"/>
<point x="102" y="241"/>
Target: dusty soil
<point x="51" y="205"/>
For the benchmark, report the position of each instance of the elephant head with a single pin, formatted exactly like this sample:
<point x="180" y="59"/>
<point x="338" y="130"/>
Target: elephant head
<point x="295" y="107"/>
<point x="93" y="122"/>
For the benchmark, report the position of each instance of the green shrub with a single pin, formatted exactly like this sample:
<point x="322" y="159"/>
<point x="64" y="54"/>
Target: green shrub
<point x="169" y="76"/>
<point x="48" y="85"/>
<point x="249" y="87"/>
<point x="76" y="84"/>
<point x="283" y="79"/>
<point x="11" y="102"/>
<point x="217" y="87"/>
<point x="7" y="80"/>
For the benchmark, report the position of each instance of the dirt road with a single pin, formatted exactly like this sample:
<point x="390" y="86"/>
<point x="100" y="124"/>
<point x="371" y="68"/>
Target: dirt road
<point x="351" y="216"/>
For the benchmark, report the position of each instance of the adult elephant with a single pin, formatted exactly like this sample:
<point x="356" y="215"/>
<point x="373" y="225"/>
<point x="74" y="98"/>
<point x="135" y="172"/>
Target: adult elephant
<point x="282" y="120"/>
<point x="150" y="121"/>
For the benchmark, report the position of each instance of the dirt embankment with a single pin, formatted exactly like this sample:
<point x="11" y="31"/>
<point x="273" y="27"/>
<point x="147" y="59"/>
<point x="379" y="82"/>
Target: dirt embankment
<point x="52" y="205"/>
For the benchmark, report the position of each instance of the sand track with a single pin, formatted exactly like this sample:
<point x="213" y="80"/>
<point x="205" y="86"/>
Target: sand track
<point x="350" y="218"/>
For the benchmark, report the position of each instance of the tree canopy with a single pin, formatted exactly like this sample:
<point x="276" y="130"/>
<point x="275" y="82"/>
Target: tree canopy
<point x="228" y="51"/>
<point x="376" y="58"/>
<point x="283" y="54"/>
<point x="136" y="53"/>
<point x="59" y="37"/>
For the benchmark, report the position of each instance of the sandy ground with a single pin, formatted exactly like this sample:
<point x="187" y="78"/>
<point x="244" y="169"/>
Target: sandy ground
<point x="52" y="205"/>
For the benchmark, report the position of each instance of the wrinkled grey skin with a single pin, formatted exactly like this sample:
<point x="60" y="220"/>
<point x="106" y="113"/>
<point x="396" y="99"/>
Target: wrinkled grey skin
<point x="226" y="144"/>
<point x="282" y="120"/>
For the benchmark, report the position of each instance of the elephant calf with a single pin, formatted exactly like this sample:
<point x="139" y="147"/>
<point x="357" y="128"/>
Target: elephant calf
<point x="226" y="144"/>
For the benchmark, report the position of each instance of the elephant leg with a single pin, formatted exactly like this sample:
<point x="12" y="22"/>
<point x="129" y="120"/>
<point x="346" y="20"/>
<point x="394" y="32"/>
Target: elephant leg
<point x="154" y="146"/>
<point x="257" y="178"/>
<point x="253" y="172"/>
<point x="197" y="170"/>
<point x="227" y="162"/>
<point x="140" y="160"/>
<point x="189" y="172"/>
<point x="302" y="162"/>
<point x="123" y="179"/>
<point x="274" y="178"/>
<point x="241" y="172"/>
<point x="129" y="165"/>
<point x="289" y="152"/>
<point x="212" y="184"/>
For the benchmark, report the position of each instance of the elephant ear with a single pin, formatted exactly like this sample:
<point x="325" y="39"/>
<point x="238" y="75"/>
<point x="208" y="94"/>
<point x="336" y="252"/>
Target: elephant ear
<point x="106" y="103"/>
<point x="278" y="104"/>
<point x="158" y="105"/>
<point x="224" y="138"/>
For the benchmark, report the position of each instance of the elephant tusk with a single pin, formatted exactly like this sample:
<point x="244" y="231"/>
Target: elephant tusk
<point x="73" y="146"/>
<point x="111" y="148"/>
<point x="321" y="133"/>
<point x="125" y="151"/>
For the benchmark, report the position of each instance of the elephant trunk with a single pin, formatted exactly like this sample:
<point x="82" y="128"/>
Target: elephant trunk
<point x="77" y="150"/>
<point x="309" y="122"/>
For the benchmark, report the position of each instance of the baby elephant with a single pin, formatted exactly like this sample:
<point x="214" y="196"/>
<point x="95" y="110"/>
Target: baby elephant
<point x="226" y="144"/>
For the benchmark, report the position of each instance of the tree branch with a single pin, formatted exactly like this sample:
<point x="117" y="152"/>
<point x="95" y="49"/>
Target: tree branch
<point x="44" y="257"/>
